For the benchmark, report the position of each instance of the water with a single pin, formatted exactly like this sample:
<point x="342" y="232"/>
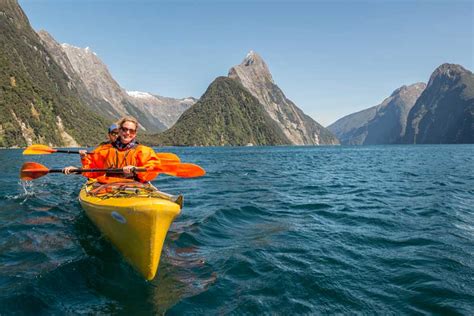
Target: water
<point x="285" y="230"/>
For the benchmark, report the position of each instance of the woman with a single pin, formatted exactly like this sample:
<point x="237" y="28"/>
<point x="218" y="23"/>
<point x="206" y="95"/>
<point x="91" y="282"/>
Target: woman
<point x="125" y="153"/>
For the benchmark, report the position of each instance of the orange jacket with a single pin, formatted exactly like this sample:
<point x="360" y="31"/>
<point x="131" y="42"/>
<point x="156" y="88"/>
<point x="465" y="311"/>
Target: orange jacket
<point x="107" y="156"/>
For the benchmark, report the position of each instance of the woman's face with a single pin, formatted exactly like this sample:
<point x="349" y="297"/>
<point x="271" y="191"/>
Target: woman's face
<point x="128" y="131"/>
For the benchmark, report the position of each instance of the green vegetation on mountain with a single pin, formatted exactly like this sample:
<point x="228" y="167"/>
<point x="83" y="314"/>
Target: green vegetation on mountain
<point x="227" y="114"/>
<point x="300" y="129"/>
<point x="37" y="103"/>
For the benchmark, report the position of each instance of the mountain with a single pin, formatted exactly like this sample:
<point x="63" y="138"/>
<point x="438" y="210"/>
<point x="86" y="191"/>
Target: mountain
<point x="349" y="128"/>
<point x="38" y="102"/>
<point x="96" y="103"/>
<point x="298" y="127"/>
<point x="105" y="96"/>
<point x="97" y="78"/>
<point x="165" y="110"/>
<point x="226" y="114"/>
<point x="444" y="113"/>
<point x="381" y="124"/>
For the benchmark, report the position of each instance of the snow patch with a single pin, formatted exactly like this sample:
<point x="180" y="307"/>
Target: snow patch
<point x="66" y="45"/>
<point x="87" y="49"/>
<point x="90" y="51"/>
<point x="139" y="94"/>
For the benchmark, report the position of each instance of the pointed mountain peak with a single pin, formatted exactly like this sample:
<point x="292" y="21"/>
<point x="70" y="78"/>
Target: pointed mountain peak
<point x="448" y="73"/>
<point x="252" y="58"/>
<point x="299" y="128"/>
<point x="444" y="112"/>
<point x="450" y="69"/>
<point x="252" y="69"/>
<point x="252" y="53"/>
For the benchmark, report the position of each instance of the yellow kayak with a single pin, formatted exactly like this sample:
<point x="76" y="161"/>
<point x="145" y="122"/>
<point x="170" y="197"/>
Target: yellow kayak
<point x="135" y="217"/>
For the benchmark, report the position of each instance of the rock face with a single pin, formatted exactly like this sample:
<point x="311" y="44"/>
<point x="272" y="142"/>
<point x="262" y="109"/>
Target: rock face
<point x="103" y="94"/>
<point x="165" y="110"/>
<point x="351" y="129"/>
<point x="299" y="128"/>
<point x="444" y="113"/>
<point x="97" y="78"/>
<point x="38" y="102"/>
<point x="381" y="124"/>
<point x="96" y="103"/>
<point x="227" y="114"/>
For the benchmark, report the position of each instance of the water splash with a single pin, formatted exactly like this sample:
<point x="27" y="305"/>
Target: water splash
<point x="26" y="191"/>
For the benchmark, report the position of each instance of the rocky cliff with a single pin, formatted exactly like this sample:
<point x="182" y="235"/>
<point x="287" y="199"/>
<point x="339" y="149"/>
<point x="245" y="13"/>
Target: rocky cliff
<point x="38" y="102"/>
<point x="103" y="94"/>
<point x="299" y="128"/>
<point x="95" y="102"/>
<point x="381" y="124"/>
<point x="444" y="113"/>
<point x="165" y="110"/>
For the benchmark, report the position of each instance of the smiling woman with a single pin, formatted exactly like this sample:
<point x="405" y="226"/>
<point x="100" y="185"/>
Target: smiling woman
<point x="125" y="153"/>
<point x="127" y="132"/>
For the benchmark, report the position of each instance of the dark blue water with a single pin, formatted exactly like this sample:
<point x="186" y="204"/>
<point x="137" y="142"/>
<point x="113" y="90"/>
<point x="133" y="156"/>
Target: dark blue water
<point x="285" y="230"/>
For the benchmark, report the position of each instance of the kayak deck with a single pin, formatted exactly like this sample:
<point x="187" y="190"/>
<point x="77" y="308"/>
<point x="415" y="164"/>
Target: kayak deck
<point x="135" y="217"/>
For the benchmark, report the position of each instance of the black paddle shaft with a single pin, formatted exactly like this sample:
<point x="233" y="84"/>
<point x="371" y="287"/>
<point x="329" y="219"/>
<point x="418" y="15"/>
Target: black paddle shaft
<point x="116" y="170"/>
<point x="65" y="151"/>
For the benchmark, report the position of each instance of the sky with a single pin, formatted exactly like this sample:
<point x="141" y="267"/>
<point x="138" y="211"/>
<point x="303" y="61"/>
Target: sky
<point x="331" y="58"/>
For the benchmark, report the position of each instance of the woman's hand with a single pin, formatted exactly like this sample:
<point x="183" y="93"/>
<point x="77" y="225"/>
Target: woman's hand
<point x="69" y="170"/>
<point x="127" y="170"/>
<point x="83" y="153"/>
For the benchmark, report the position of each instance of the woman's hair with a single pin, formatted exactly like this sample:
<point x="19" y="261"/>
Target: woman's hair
<point x="128" y="119"/>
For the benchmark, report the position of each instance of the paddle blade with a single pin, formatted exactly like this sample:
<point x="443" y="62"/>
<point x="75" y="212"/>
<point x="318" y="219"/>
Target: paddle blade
<point x="32" y="170"/>
<point x="38" y="150"/>
<point x="189" y="170"/>
<point x="167" y="158"/>
<point x="181" y="170"/>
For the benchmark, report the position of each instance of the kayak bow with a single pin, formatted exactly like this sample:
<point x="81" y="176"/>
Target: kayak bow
<point x="135" y="217"/>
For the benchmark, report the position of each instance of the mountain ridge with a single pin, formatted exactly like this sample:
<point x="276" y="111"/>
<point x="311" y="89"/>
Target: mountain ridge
<point x="226" y="115"/>
<point x="254" y="74"/>
<point x="37" y="101"/>
<point x="103" y="94"/>
<point x="444" y="113"/>
<point x="384" y="123"/>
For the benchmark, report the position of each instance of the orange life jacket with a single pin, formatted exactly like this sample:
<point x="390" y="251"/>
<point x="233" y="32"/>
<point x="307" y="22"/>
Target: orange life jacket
<point x="107" y="156"/>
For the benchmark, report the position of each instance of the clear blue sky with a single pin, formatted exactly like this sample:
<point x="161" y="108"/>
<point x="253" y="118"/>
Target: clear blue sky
<point x="330" y="58"/>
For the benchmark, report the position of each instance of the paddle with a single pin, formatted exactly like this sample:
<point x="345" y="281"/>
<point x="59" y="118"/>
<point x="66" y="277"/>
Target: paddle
<point x="32" y="170"/>
<point x="46" y="150"/>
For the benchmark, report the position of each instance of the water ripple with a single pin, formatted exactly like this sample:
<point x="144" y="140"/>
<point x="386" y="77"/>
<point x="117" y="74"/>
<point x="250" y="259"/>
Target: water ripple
<point x="279" y="230"/>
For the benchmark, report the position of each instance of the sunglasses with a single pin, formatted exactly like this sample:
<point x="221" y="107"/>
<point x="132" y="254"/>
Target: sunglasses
<point x="131" y="131"/>
<point x="114" y="133"/>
